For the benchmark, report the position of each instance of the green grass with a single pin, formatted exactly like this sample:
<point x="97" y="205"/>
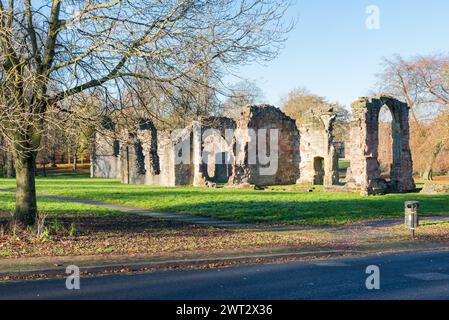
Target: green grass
<point x="57" y="208"/>
<point x="343" y="164"/>
<point x="272" y="205"/>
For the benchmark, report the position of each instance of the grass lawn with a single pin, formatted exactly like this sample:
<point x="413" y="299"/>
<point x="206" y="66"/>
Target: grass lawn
<point x="275" y="205"/>
<point x="59" y="209"/>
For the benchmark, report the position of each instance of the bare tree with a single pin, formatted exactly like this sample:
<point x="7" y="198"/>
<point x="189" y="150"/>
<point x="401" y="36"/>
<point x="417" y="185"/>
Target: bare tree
<point x="422" y="82"/>
<point x="300" y="103"/>
<point x="241" y="94"/>
<point x="54" y="50"/>
<point x="6" y="159"/>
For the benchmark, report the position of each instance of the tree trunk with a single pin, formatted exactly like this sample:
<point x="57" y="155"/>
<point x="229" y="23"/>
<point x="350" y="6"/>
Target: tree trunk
<point x="75" y="167"/>
<point x="44" y="170"/>
<point x="428" y="171"/>
<point x="26" y="206"/>
<point x="10" y="170"/>
<point x="53" y="158"/>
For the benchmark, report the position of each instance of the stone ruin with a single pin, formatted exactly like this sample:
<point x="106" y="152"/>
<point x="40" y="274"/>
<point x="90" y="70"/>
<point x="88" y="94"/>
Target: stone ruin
<point x="257" y="128"/>
<point x="364" y="172"/>
<point x="213" y="150"/>
<point x="319" y="159"/>
<point x="237" y="151"/>
<point x="139" y="154"/>
<point x="105" y="155"/>
<point x="165" y="158"/>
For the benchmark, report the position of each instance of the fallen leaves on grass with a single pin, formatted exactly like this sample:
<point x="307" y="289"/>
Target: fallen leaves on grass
<point x="429" y="231"/>
<point x="135" y="235"/>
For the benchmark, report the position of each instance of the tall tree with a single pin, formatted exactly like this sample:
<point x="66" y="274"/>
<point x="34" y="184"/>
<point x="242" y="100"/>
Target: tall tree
<point x="53" y="50"/>
<point x="301" y="103"/>
<point x="422" y="82"/>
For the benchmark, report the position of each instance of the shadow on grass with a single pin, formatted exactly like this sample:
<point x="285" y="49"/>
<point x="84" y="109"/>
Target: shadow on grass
<point x="267" y="206"/>
<point x="315" y="212"/>
<point x="55" y="208"/>
<point x="277" y="207"/>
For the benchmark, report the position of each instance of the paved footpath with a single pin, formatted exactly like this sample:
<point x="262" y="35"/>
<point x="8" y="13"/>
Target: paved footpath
<point x="402" y="276"/>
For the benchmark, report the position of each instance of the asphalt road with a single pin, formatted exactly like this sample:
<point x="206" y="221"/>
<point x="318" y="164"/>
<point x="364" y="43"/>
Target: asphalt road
<point x="402" y="276"/>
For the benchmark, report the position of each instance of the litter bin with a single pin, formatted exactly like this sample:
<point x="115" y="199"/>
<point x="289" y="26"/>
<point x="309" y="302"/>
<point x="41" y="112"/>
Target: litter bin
<point x="412" y="215"/>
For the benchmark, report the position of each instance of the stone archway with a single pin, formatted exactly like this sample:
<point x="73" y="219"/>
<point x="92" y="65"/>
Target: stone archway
<point x="364" y="172"/>
<point x="213" y="154"/>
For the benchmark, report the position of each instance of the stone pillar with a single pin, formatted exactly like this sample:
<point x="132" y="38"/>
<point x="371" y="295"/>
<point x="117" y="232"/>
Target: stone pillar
<point x="147" y="136"/>
<point x="331" y="176"/>
<point x="197" y="151"/>
<point x="134" y="170"/>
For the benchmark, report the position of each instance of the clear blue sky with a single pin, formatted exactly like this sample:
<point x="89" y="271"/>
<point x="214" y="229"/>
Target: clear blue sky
<point x="333" y="54"/>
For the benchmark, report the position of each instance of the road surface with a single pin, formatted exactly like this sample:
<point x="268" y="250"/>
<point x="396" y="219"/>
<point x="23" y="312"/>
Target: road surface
<point x="402" y="276"/>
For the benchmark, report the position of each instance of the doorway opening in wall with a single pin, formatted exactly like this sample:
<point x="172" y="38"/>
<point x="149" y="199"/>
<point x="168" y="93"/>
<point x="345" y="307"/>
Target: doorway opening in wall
<point x="385" y="150"/>
<point x="318" y="165"/>
<point x="218" y="169"/>
<point x="343" y="166"/>
<point x="343" y="162"/>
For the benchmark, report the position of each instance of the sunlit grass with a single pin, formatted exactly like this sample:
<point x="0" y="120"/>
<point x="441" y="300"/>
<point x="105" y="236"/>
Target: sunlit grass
<point x="58" y="208"/>
<point x="274" y="205"/>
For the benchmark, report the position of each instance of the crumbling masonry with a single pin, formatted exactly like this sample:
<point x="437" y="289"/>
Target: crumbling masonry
<point x="254" y="125"/>
<point x="243" y="150"/>
<point x="105" y="155"/>
<point x="319" y="160"/>
<point x="176" y="158"/>
<point x="364" y="172"/>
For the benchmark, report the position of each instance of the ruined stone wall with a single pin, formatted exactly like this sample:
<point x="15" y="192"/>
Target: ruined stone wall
<point x="105" y="155"/>
<point x="213" y="150"/>
<point x="246" y="169"/>
<point x="140" y="160"/>
<point x="152" y="157"/>
<point x="175" y="158"/>
<point x="364" y="172"/>
<point x="319" y="161"/>
<point x="179" y="154"/>
<point x="204" y="153"/>
<point x="158" y="153"/>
